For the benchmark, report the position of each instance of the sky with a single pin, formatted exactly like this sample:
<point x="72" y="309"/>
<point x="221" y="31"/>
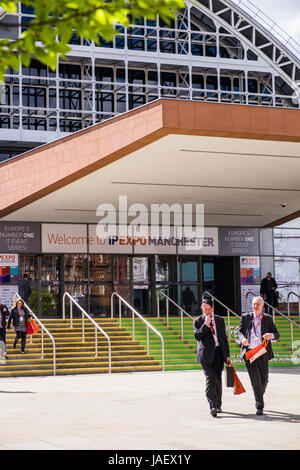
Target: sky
<point x="286" y="13"/>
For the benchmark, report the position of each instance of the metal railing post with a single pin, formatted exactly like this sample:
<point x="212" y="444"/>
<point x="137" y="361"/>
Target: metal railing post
<point x="96" y="342"/>
<point x="148" y="325"/>
<point x="167" y="310"/>
<point x="288" y="302"/>
<point x="97" y="327"/>
<point x="42" y="345"/>
<point x="228" y="323"/>
<point x="133" y="326"/>
<point x="148" y="341"/>
<point x="83" y="327"/>
<point x="43" y="328"/>
<point x="71" y="314"/>
<point x="111" y="307"/>
<point x="181" y="321"/>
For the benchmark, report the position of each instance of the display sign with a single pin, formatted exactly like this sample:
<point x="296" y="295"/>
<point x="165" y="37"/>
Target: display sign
<point x="208" y="245"/>
<point x="119" y="243"/>
<point x="20" y="238"/>
<point x="244" y="289"/>
<point x="236" y="241"/>
<point x="159" y="241"/>
<point x="64" y="238"/>
<point x="7" y="295"/>
<point x="9" y="268"/>
<point x="250" y="270"/>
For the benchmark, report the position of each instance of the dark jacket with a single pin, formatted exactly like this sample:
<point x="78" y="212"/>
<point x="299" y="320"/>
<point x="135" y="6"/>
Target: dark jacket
<point x="264" y="286"/>
<point x="267" y="326"/>
<point x="14" y="317"/>
<point x="206" y="342"/>
<point x="4" y="315"/>
<point x="25" y="289"/>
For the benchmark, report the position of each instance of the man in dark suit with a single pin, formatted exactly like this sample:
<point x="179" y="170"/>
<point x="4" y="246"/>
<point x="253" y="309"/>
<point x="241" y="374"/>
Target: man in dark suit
<point x="212" y="352"/>
<point x="268" y="288"/>
<point x="254" y="328"/>
<point x="25" y="288"/>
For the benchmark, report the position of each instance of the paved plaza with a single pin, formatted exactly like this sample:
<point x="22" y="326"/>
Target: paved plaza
<point x="146" y="410"/>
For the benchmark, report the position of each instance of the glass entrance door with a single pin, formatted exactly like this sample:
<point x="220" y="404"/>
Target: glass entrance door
<point x="50" y="284"/>
<point x="131" y="280"/>
<point x="189" y="283"/>
<point x="141" y="284"/>
<point x="219" y="280"/>
<point x="76" y="280"/>
<point x="122" y="269"/>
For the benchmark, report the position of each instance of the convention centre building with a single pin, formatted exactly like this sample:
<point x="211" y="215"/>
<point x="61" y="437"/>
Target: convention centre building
<point x="202" y="112"/>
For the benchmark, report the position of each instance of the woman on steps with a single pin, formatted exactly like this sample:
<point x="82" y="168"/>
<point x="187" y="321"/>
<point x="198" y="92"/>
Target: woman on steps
<point x="19" y="316"/>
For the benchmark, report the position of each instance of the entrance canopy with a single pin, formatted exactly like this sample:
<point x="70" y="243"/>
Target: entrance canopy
<point x="241" y="162"/>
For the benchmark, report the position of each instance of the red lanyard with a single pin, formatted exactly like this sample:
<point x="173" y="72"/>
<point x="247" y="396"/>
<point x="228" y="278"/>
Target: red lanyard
<point x="261" y="317"/>
<point x="212" y="325"/>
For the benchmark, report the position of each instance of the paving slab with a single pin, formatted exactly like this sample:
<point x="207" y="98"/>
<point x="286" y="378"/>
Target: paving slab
<point x="146" y="411"/>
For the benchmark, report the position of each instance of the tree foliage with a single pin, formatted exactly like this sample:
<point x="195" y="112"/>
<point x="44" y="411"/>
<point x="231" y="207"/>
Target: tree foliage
<point x="47" y="35"/>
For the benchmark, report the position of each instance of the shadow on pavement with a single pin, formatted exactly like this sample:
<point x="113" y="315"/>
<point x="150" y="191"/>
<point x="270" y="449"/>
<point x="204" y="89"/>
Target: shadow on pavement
<point x="269" y="415"/>
<point x="11" y="391"/>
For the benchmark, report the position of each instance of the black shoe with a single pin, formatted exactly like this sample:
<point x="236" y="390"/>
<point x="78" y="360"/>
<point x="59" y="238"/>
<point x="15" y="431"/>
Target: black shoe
<point x="213" y="412"/>
<point x="219" y="410"/>
<point x="22" y="352"/>
<point x="259" y="412"/>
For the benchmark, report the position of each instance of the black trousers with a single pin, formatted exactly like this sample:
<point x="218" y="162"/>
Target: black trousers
<point x="270" y="300"/>
<point x="3" y="335"/>
<point x="259" y="375"/>
<point x="213" y="376"/>
<point x="20" y="335"/>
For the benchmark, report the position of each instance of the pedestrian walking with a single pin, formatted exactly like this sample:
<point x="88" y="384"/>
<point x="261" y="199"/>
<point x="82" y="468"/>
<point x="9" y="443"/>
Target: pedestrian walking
<point x="19" y="316"/>
<point x="256" y="330"/>
<point x="212" y="352"/>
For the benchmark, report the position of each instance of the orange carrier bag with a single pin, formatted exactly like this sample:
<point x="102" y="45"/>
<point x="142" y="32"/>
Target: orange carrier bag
<point x="255" y="353"/>
<point x="234" y="381"/>
<point x="33" y="326"/>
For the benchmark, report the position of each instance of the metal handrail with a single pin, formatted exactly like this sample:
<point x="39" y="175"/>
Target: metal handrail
<point x="134" y="312"/>
<point x="43" y="328"/>
<point x="288" y="302"/>
<point x="182" y="311"/>
<point x="229" y="310"/>
<point x="97" y="327"/>
<point x="292" y="322"/>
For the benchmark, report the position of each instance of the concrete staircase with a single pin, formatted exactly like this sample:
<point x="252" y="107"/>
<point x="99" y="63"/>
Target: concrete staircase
<point x="182" y="354"/>
<point x="72" y="355"/>
<point x="75" y="357"/>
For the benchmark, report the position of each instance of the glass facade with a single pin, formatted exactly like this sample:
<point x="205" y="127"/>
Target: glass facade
<point x="150" y="60"/>
<point x="287" y="259"/>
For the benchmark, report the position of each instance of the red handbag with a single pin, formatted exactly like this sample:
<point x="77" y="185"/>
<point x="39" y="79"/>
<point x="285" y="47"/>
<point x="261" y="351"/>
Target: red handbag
<point x="29" y="330"/>
<point x="238" y="388"/>
<point x="33" y="327"/>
